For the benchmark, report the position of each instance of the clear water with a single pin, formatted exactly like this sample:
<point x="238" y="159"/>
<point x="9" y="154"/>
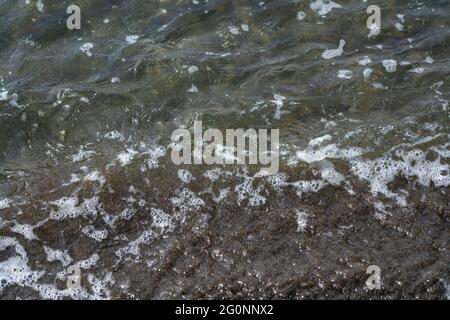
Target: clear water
<point x="86" y="177"/>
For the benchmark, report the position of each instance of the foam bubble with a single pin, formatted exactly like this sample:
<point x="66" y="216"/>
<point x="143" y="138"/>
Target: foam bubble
<point x="330" y="174"/>
<point x="301" y="16"/>
<point x="411" y="164"/>
<point x="15" y="271"/>
<point x="89" y="262"/>
<point x="302" y="219"/>
<point x="364" y="61"/>
<point x="367" y="73"/>
<point x="162" y="221"/>
<point x="345" y="74"/>
<point x="390" y="65"/>
<point x="185" y="176"/>
<point x="97" y="235"/>
<point x="58" y="255"/>
<point x="114" y="135"/>
<point x="86" y="48"/>
<point x="310" y="155"/>
<point x="222" y="195"/>
<point x="186" y="200"/>
<point x="192" y="69"/>
<point x="429" y="60"/>
<point x="100" y="287"/>
<point x="323" y="7"/>
<point x="333" y="53"/>
<point x="3" y="95"/>
<point x="68" y="208"/>
<point x="133" y="247"/>
<point x="132" y="39"/>
<point x="374" y="30"/>
<point x="319" y="140"/>
<point x="418" y="70"/>
<point x="25" y="230"/>
<point x="82" y="155"/>
<point x="5" y="203"/>
<point x="193" y="89"/>
<point x="126" y="157"/>
<point x="234" y="30"/>
<point x="246" y="190"/>
<point x="278" y="101"/>
<point x="154" y="154"/>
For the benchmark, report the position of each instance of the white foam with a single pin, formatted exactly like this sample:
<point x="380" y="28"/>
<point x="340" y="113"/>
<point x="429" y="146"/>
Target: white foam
<point x="418" y="70"/>
<point x="308" y="186"/>
<point x="364" y="61"/>
<point x="132" y="39"/>
<point x="399" y="26"/>
<point x="330" y="174"/>
<point x="133" y="247"/>
<point x="15" y="271"/>
<point x="345" y="74"/>
<point x="127" y="213"/>
<point x="97" y="235"/>
<point x="5" y="203"/>
<point x="25" y="230"/>
<point x="310" y="155"/>
<point x="302" y="219"/>
<point x="367" y="73"/>
<point x="185" y="176"/>
<point x="223" y="193"/>
<point x="186" y="200"/>
<point x="247" y="190"/>
<point x="100" y="288"/>
<point x="333" y="53"/>
<point x="89" y="262"/>
<point x="390" y="65"/>
<point x="86" y="48"/>
<point x="82" y="155"/>
<point x="3" y="95"/>
<point x="154" y="154"/>
<point x="40" y="6"/>
<point x="278" y="101"/>
<point x="301" y="16"/>
<point x="411" y="164"/>
<point x="234" y="30"/>
<point x="193" y="89"/>
<point x="319" y="140"/>
<point x="114" y="135"/>
<point x="162" y="221"/>
<point x="58" y="255"/>
<point x="192" y="69"/>
<point x="374" y="30"/>
<point x="95" y="176"/>
<point x="429" y="60"/>
<point x="277" y="181"/>
<point x="323" y="7"/>
<point x="126" y="157"/>
<point x="115" y="80"/>
<point x="6" y="242"/>
<point x="50" y="292"/>
<point x="68" y="208"/>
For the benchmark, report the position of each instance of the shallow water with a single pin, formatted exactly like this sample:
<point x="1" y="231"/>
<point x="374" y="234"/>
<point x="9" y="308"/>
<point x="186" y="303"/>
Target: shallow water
<point x="86" y="177"/>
